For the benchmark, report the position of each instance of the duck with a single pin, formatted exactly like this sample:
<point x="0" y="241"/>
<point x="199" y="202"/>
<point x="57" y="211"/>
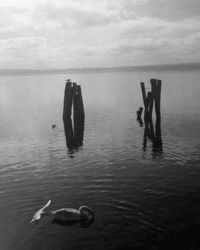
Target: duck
<point x="53" y="125"/>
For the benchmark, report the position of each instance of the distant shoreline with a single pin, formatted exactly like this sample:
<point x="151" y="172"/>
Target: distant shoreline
<point x="166" y="67"/>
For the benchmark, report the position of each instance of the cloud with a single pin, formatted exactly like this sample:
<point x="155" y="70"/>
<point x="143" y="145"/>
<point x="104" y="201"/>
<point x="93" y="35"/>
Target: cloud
<point x="166" y="9"/>
<point x="20" y="51"/>
<point x="76" y="33"/>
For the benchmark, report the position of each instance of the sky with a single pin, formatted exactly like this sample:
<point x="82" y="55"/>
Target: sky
<point x="45" y="34"/>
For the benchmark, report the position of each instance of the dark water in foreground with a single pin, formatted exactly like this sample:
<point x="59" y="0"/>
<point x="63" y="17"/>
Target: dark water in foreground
<point x="145" y="194"/>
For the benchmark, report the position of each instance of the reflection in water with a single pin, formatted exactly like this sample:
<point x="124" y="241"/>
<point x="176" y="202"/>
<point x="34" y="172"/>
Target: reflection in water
<point x="153" y="135"/>
<point x="82" y="223"/>
<point x="74" y="134"/>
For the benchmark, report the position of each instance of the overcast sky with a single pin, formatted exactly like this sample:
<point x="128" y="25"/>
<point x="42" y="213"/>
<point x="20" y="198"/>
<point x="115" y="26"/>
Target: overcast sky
<point x="96" y="33"/>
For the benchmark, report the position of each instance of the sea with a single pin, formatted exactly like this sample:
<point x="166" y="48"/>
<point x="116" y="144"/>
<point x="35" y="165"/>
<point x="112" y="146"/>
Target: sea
<point x="142" y="184"/>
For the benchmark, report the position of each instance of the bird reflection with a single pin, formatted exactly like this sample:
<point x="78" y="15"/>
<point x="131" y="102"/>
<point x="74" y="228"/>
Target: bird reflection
<point x="153" y="135"/>
<point x="73" y="134"/>
<point x="72" y="223"/>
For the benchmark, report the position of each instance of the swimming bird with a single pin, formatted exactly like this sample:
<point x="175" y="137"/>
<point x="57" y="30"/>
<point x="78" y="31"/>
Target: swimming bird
<point x="40" y="213"/>
<point x="84" y="213"/>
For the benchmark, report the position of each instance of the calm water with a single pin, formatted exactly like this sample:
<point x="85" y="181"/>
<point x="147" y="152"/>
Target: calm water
<point x="145" y="193"/>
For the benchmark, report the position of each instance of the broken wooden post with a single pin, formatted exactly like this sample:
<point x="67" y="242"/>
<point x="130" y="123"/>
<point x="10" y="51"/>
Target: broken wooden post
<point x="68" y="96"/>
<point x="157" y="98"/>
<point x="79" y="114"/>
<point x="139" y="113"/>
<point x="80" y="107"/>
<point x="67" y="110"/>
<point x="73" y="131"/>
<point x="151" y="97"/>
<point x="153" y="90"/>
<point x="147" y="107"/>
<point x="143" y="93"/>
<point x="150" y="104"/>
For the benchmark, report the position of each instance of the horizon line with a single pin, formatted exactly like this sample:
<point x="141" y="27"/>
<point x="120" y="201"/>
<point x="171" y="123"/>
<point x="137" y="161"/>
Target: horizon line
<point x="177" y="66"/>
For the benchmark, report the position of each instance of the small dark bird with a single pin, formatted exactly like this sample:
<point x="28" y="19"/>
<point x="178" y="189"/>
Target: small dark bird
<point x="53" y="125"/>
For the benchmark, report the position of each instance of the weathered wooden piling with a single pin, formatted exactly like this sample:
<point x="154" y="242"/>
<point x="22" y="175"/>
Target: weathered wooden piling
<point x="78" y="108"/>
<point x="151" y="97"/>
<point x="67" y="110"/>
<point x="79" y="114"/>
<point x="139" y="113"/>
<point x="68" y="96"/>
<point x="157" y="98"/>
<point x="143" y="93"/>
<point x="154" y="135"/>
<point x="73" y="131"/>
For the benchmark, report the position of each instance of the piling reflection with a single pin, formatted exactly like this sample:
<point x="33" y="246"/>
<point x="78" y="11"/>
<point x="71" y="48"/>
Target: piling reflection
<point x="72" y="223"/>
<point x="73" y="134"/>
<point x="153" y="135"/>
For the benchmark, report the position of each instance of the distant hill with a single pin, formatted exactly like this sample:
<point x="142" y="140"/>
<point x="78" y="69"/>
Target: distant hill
<point x="167" y="67"/>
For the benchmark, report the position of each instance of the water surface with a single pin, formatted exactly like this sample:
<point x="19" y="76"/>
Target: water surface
<point x="144" y="191"/>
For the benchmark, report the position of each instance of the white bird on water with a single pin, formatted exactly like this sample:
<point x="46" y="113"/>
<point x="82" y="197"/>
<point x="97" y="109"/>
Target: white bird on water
<point x="40" y="212"/>
<point x="84" y="213"/>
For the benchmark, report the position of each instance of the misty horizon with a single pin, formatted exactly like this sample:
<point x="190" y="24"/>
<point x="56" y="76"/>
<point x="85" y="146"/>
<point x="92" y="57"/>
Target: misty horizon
<point x="162" y="67"/>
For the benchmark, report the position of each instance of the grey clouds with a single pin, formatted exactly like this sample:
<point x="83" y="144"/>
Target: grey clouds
<point x="89" y="33"/>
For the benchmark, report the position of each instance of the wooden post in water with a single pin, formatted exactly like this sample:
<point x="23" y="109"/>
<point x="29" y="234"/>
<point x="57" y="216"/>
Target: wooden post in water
<point x="139" y="113"/>
<point x="68" y="96"/>
<point x="73" y="131"/>
<point x="143" y="93"/>
<point x="79" y="115"/>
<point x="153" y="88"/>
<point x="80" y="103"/>
<point x="145" y="99"/>
<point x="67" y="110"/>
<point x="157" y="98"/>
<point x="153" y="96"/>
<point x="150" y="104"/>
